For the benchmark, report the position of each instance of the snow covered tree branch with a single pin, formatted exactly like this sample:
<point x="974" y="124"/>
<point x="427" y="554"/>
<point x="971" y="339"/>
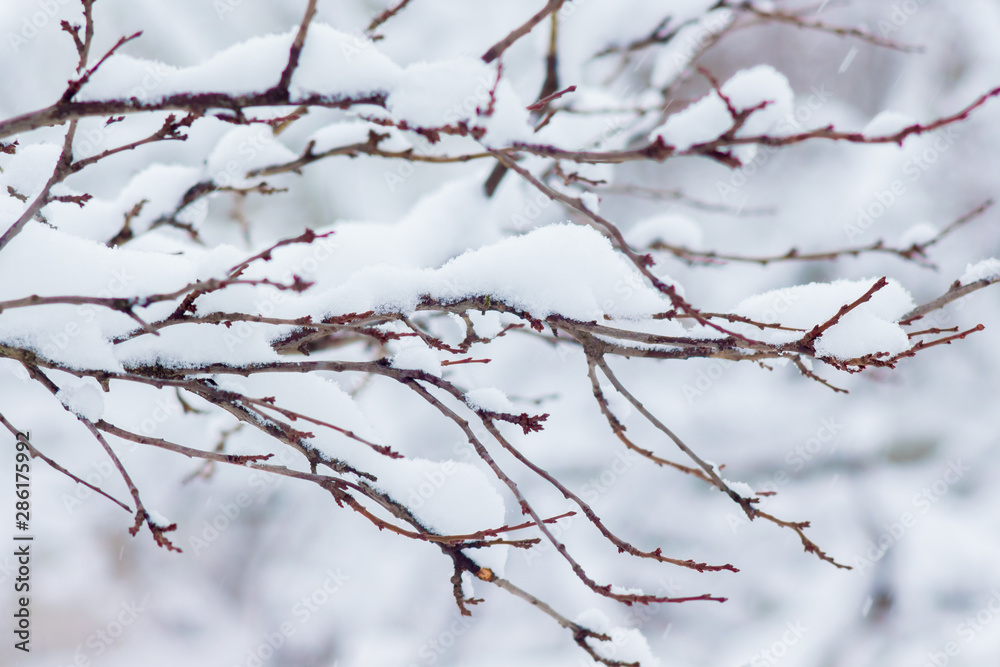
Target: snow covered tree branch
<point x="124" y="283"/>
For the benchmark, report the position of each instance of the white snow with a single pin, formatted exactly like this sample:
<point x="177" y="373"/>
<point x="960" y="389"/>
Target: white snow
<point x="709" y="118"/>
<point x="158" y="519"/>
<point x="243" y="149"/>
<point x="742" y="488"/>
<point x="594" y="280"/>
<point x="158" y="187"/>
<point x="519" y="272"/>
<point x="981" y="270"/>
<point x="869" y="328"/>
<point x="450" y="497"/>
<point x="487" y="324"/>
<point x="668" y="228"/>
<point x="920" y="233"/>
<point x="440" y="93"/>
<point x="237" y="70"/>
<point x="417" y="357"/>
<point x="626" y="645"/>
<point x="336" y="135"/>
<point x="337" y="63"/>
<point x="195" y="344"/>
<point x="676" y="56"/>
<point x="25" y="173"/>
<point x="84" y="398"/>
<point x="510" y="120"/>
<point x="330" y="65"/>
<point x="490" y="399"/>
<point x="406" y="230"/>
<point x="887" y="123"/>
<point x="342" y="134"/>
<point x="76" y="335"/>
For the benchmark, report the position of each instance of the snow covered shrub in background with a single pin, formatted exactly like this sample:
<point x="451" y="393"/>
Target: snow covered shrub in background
<point x="433" y="269"/>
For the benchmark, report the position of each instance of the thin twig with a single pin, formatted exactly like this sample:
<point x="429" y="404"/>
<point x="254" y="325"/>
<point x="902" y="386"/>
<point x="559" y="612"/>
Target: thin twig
<point x="296" y="49"/>
<point x="58" y="174"/>
<point x="385" y="15"/>
<point x="497" y="49"/>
